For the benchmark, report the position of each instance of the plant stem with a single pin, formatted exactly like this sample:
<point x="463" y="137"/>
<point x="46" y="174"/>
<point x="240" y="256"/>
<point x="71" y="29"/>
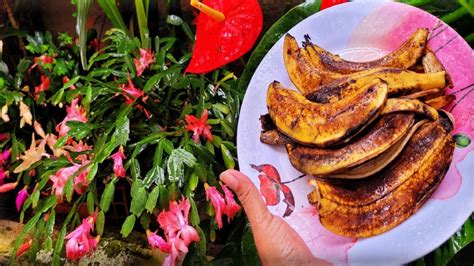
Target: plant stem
<point x="455" y="15"/>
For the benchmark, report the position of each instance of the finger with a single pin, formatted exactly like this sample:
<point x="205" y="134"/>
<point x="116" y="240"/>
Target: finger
<point x="252" y="202"/>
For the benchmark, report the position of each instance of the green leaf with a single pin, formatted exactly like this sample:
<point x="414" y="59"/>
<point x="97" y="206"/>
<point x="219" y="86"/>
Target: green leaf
<point x="168" y="146"/>
<point x="135" y="168"/>
<point x="83" y="8"/>
<point x="122" y="132"/>
<point x="249" y="251"/>
<point x="137" y="184"/>
<point x="26" y="229"/>
<point x="175" y="168"/>
<point x="112" y="12"/>
<point x="156" y="175"/>
<point x="276" y="31"/>
<point x="152" y="82"/>
<point x="46" y="204"/>
<point x="90" y="203"/>
<point x="185" y="156"/>
<point x="92" y="172"/>
<point x="158" y="154"/>
<point x="227" y="156"/>
<point x="194" y="214"/>
<point x="138" y="202"/>
<point x="142" y="24"/>
<point x="174" y="20"/>
<point x="100" y="222"/>
<point x="193" y="181"/>
<point x="152" y="199"/>
<point x="145" y="220"/>
<point x="107" y="196"/>
<point x="128" y="225"/>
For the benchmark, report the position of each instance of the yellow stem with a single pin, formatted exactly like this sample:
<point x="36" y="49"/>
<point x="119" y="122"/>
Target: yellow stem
<point x="215" y="14"/>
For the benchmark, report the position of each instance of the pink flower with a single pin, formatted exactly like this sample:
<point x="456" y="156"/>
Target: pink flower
<point x="44" y="86"/>
<point x="45" y="60"/>
<point x="3" y="175"/>
<point x="74" y="113"/>
<point x="21" y="197"/>
<point x="4" y="156"/>
<point x="146" y="58"/>
<point x="8" y="187"/>
<point x="62" y="176"/>
<point x="130" y="92"/>
<point x="80" y="242"/>
<point x="156" y="241"/>
<point x="23" y="248"/>
<point x="4" y="136"/>
<point x="118" y="158"/>
<point x="66" y="80"/>
<point x="199" y="126"/>
<point x="179" y="234"/>
<point x="217" y="202"/>
<point x="232" y="207"/>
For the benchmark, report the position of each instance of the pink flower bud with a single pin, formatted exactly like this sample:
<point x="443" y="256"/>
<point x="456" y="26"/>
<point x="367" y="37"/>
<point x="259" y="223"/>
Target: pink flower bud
<point x="21" y="197"/>
<point x="217" y="202"/>
<point x="118" y="158"/>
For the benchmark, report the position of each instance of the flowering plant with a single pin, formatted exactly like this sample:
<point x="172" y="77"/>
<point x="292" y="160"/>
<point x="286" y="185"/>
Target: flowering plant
<point x="71" y="133"/>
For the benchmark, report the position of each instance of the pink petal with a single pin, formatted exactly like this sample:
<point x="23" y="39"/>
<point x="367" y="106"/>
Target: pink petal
<point x="21" y="197"/>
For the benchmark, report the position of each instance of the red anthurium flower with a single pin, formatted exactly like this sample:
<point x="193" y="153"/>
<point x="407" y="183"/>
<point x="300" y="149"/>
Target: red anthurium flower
<point x="179" y="234"/>
<point x="146" y="58"/>
<point x="118" y="158"/>
<point x="199" y="126"/>
<point x="271" y="185"/>
<point x="232" y="208"/>
<point x="220" y="42"/>
<point x="8" y="187"/>
<point x="329" y="3"/>
<point x="66" y="80"/>
<point x="130" y="92"/>
<point x="80" y="242"/>
<point x="45" y="60"/>
<point x="44" y="86"/>
<point x="217" y="201"/>
<point x="23" y="248"/>
<point x="21" y="197"/>
<point x="74" y="113"/>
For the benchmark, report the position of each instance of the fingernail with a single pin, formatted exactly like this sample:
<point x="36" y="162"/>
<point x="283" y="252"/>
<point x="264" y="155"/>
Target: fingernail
<point x="229" y="179"/>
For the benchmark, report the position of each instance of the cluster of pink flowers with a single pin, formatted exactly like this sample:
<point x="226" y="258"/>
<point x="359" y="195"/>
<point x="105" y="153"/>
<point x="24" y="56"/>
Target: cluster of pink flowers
<point x="146" y="58"/>
<point x="4" y="166"/>
<point x="61" y="177"/>
<point x="43" y="86"/>
<point x="178" y="233"/>
<point x="80" y="242"/>
<point x="132" y="93"/>
<point x="199" y="126"/>
<point x="74" y="113"/>
<point x="222" y="204"/>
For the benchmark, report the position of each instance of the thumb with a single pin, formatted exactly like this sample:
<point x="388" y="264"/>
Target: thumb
<point x="252" y="202"/>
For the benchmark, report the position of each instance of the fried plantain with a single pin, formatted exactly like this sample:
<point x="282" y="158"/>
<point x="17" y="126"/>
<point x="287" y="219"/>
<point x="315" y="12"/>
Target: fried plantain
<point x="404" y="57"/>
<point x="378" y="163"/>
<point x="366" y="207"/>
<point x="398" y="81"/>
<point x="323" y="125"/>
<point x="320" y="162"/>
<point x="409" y="105"/>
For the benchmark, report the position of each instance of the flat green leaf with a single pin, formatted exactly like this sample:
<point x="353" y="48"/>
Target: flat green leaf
<point x="194" y="214"/>
<point x="174" y="20"/>
<point x="135" y="168"/>
<point x="90" y="203"/>
<point x="128" y="225"/>
<point x="83" y="8"/>
<point x="185" y="156"/>
<point x="227" y="157"/>
<point x="138" y="202"/>
<point x="92" y="172"/>
<point x="122" y="132"/>
<point x="107" y="196"/>
<point x="276" y="31"/>
<point x="100" y="222"/>
<point x="168" y="146"/>
<point x="155" y="175"/>
<point x="136" y="185"/>
<point x="175" y="169"/>
<point x="152" y="82"/>
<point x="152" y="199"/>
<point x="111" y="10"/>
<point x="158" y="154"/>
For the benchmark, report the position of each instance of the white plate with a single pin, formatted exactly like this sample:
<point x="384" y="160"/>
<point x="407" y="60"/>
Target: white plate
<point x="376" y="27"/>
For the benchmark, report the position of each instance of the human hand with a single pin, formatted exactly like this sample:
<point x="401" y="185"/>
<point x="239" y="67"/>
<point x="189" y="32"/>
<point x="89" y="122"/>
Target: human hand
<point x="277" y="243"/>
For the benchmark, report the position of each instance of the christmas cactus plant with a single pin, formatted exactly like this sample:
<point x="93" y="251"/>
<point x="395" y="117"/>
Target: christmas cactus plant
<point x="80" y="117"/>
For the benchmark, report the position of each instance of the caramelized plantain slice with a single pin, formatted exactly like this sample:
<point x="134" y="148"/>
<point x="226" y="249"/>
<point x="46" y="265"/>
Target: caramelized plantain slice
<point x="404" y="57"/>
<point x="409" y="105"/>
<point x="441" y="101"/>
<point x="323" y="125"/>
<point x="377" y="204"/>
<point x="378" y="163"/>
<point x="320" y="162"/>
<point x="302" y="73"/>
<point x="398" y="81"/>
